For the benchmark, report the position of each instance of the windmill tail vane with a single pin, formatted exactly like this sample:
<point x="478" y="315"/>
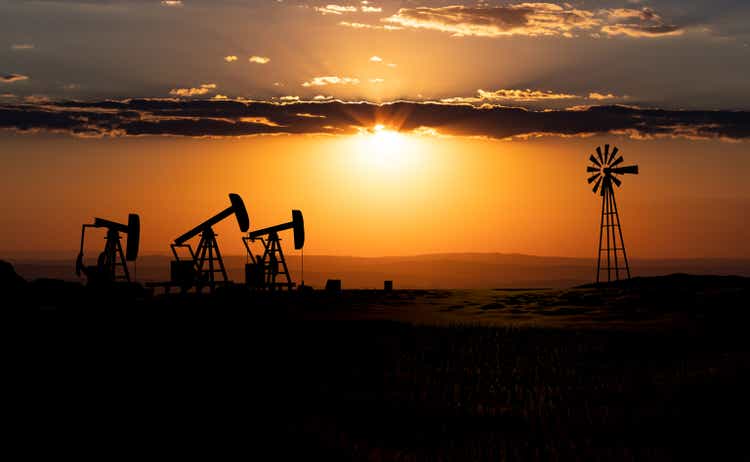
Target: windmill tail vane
<point x="606" y="171"/>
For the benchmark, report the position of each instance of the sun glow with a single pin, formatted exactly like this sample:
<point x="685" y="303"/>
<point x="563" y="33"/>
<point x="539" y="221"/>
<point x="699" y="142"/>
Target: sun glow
<point x="387" y="142"/>
<point x="384" y="149"/>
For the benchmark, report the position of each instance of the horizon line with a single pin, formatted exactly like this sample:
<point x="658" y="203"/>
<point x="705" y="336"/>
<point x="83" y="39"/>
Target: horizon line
<point x="36" y="255"/>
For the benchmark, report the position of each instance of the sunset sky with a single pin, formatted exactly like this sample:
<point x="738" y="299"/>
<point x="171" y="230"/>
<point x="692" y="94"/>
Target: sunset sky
<point x="397" y="127"/>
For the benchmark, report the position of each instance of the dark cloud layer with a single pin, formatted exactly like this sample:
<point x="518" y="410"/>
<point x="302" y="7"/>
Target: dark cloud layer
<point x="240" y="118"/>
<point x="10" y="78"/>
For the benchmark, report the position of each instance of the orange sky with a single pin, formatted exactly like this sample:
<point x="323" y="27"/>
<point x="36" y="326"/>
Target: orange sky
<point x="371" y="195"/>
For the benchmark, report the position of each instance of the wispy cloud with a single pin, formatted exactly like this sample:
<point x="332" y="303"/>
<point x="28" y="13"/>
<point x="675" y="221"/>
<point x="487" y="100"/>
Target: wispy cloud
<point x="259" y="120"/>
<point x="335" y="9"/>
<point x="330" y="80"/>
<point x="534" y="19"/>
<point x="511" y="95"/>
<point x="259" y="59"/>
<point x="203" y="89"/>
<point x="376" y="59"/>
<point x="339" y="10"/>
<point x="230" y="58"/>
<point x="10" y="78"/>
<point x="523" y="95"/>
<point x="310" y="116"/>
<point x="360" y="25"/>
<point x="37" y="99"/>
<point x="172" y="2"/>
<point x="22" y="46"/>
<point x="643" y="22"/>
<point x="605" y="96"/>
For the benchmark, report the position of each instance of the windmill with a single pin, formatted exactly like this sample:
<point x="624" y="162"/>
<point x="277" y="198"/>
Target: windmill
<point x="605" y="169"/>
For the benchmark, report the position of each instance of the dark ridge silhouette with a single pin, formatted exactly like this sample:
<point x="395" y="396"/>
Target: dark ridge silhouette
<point x="679" y="281"/>
<point x="10" y="281"/>
<point x="434" y="271"/>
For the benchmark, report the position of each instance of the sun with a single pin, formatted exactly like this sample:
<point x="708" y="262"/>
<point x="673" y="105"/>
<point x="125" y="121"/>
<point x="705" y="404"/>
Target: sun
<point x="383" y="154"/>
<point x="386" y="141"/>
<point x="381" y="147"/>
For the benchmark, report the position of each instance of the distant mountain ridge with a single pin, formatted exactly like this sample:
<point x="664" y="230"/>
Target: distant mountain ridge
<point x="440" y="271"/>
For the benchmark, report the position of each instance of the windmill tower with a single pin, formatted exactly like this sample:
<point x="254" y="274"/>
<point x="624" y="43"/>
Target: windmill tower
<point x="605" y="169"/>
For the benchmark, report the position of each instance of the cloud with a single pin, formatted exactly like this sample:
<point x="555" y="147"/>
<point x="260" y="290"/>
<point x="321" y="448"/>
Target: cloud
<point x="22" y="46"/>
<point x="37" y="99"/>
<point x="605" y="96"/>
<point x="259" y="59"/>
<point x="376" y="59"/>
<point x="360" y="25"/>
<point x="10" y="78"/>
<point x="377" y="81"/>
<point x="335" y="9"/>
<point x="534" y="19"/>
<point x="642" y="31"/>
<point x="260" y="120"/>
<point x="171" y="2"/>
<point x="527" y="95"/>
<point x="330" y="80"/>
<point x="202" y="90"/>
<point x="7" y="95"/>
<point x="643" y="22"/>
<point x="230" y="58"/>
<point x="523" y="95"/>
<point x="206" y="118"/>
<point x="339" y="10"/>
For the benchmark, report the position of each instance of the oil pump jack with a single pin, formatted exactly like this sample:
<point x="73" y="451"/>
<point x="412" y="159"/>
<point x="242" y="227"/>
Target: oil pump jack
<point x="266" y="269"/>
<point x="201" y="268"/>
<point x="111" y="265"/>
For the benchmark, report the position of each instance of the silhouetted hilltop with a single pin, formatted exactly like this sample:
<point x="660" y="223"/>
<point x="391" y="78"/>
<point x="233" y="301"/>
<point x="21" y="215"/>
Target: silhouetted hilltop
<point x="9" y="279"/>
<point x="680" y="280"/>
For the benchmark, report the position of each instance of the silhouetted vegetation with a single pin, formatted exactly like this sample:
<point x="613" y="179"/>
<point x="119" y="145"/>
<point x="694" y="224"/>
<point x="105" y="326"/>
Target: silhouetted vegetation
<point x="289" y="376"/>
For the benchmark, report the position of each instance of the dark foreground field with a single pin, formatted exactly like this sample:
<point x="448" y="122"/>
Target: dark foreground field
<point x="655" y="370"/>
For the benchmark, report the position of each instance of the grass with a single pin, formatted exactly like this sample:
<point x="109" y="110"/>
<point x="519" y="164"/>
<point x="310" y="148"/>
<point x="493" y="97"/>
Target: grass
<point x="221" y="377"/>
<point x="386" y="392"/>
<point x="375" y="390"/>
